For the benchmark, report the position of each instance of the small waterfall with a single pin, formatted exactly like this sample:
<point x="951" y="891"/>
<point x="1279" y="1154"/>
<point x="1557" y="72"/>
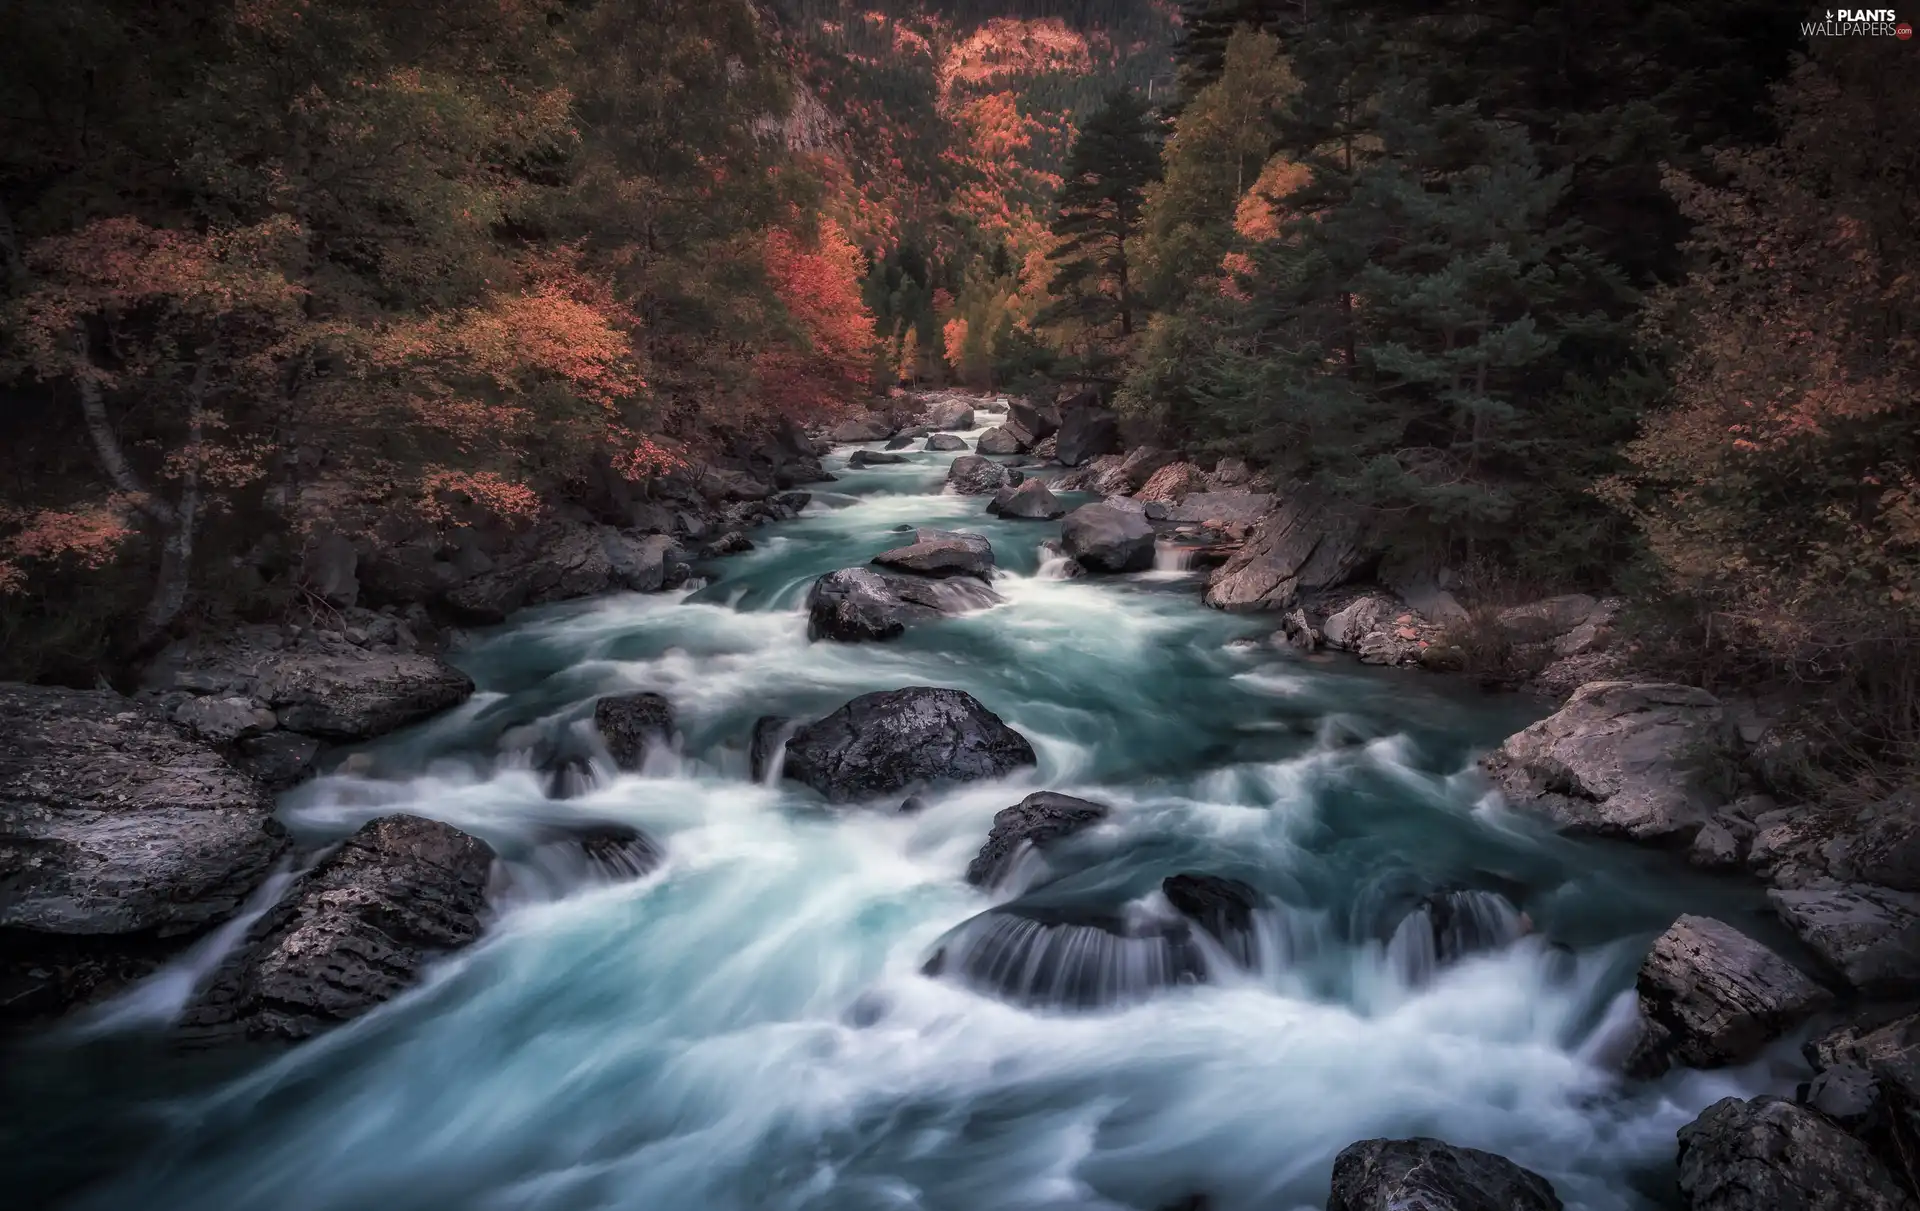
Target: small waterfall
<point x="1062" y="964"/>
<point x="158" y="1000"/>
<point x="1055" y="563"/>
<point x="574" y="856"/>
<point x="1172" y="557"/>
<point x="1450" y="926"/>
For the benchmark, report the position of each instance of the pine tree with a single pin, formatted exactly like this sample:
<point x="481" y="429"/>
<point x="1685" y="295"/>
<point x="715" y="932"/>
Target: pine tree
<point x="1400" y="335"/>
<point x="1206" y="26"/>
<point x="1108" y="169"/>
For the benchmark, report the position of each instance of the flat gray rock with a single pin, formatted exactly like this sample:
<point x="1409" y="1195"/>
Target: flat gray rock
<point x="115" y="822"/>
<point x="1620" y="759"/>
<point x="1870" y="935"/>
<point x="942" y="553"/>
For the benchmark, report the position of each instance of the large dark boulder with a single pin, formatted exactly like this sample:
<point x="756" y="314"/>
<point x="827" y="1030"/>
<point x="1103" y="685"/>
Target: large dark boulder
<point x="874" y="458"/>
<point x="884" y="743"/>
<point x="942" y="553"/>
<point x="1038" y="418"/>
<point x="1036" y="820"/>
<point x="121" y="837"/>
<point x="1086" y="432"/>
<point x="352" y="933"/>
<point x="1102" y="538"/>
<point x="1030" y="501"/>
<point x="971" y="475"/>
<point x="1621" y="759"/>
<point x="1430" y="1175"/>
<point x="855" y="604"/>
<point x="1000" y="440"/>
<point x="1711" y="996"/>
<point x="1769" y="1154"/>
<point x="945" y="442"/>
<point x="632" y="725"/>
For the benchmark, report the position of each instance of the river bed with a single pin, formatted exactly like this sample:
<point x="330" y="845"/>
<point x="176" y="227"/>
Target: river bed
<point x="749" y="1029"/>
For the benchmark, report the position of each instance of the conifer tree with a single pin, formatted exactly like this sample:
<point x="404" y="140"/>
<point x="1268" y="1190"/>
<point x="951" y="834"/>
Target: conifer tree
<point x="1108" y="169"/>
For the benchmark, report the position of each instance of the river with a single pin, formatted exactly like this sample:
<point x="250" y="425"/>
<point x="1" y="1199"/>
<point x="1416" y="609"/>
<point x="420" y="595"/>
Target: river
<point x="749" y="1028"/>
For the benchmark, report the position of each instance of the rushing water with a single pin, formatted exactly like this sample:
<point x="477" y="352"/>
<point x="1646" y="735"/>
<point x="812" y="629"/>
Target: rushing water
<point x="749" y="1027"/>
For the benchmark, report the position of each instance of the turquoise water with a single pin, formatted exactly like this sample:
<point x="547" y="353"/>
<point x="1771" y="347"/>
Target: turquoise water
<point x="748" y="1028"/>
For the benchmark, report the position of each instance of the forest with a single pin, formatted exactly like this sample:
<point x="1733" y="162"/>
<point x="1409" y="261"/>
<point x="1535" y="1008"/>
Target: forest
<point x="1580" y="296"/>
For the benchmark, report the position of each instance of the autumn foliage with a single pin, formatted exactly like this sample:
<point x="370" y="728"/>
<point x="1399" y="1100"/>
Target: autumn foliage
<point x="817" y="279"/>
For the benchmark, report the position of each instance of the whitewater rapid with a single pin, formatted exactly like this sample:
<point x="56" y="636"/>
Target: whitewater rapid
<point x="749" y="1029"/>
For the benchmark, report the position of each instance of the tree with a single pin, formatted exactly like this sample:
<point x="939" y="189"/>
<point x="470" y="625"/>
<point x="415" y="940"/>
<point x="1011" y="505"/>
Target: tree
<point x="1779" y="485"/>
<point x="1097" y="214"/>
<point x="1207" y="28"/>
<point x="1223" y="140"/>
<point x="1401" y="342"/>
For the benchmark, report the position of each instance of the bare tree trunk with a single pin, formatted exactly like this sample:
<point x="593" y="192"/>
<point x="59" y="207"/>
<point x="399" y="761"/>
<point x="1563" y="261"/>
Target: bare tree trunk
<point x="176" y="553"/>
<point x="177" y="522"/>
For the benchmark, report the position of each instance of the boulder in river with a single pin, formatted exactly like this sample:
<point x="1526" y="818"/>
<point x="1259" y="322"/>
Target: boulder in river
<point x="941" y="553"/>
<point x="1087" y="430"/>
<point x="896" y="443"/>
<point x="352" y="933"/>
<point x="874" y="458"/>
<point x="1870" y="935"/>
<point x="121" y="837"/>
<point x="972" y="475"/>
<point x="1030" y="501"/>
<point x="999" y="440"/>
<point x="946" y="442"/>
<point x="1222" y="907"/>
<point x="1306" y="545"/>
<point x="1102" y="538"/>
<point x="1041" y="419"/>
<point x="1424" y="1174"/>
<point x="1711" y="996"/>
<point x="1036" y="820"/>
<point x="861" y="429"/>
<point x="950" y="416"/>
<point x="884" y="743"/>
<point x="1621" y="759"/>
<point x="1769" y="1154"/>
<point x="632" y="725"/>
<point x="855" y="604"/>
